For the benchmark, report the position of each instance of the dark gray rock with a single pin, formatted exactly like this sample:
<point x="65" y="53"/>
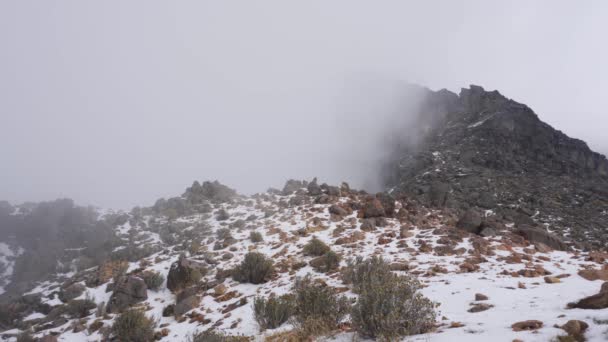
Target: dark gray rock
<point x="538" y="235"/>
<point x="470" y="221"/>
<point x="184" y="273"/>
<point x="128" y="290"/>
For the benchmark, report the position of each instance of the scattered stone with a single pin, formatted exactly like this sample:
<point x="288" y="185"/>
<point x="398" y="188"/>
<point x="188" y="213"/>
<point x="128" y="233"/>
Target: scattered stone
<point x="479" y="307"/>
<point x="480" y="297"/>
<point x="527" y="325"/>
<point x="552" y="280"/>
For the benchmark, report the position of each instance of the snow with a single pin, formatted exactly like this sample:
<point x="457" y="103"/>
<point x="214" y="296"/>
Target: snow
<point x="454" y="291"/>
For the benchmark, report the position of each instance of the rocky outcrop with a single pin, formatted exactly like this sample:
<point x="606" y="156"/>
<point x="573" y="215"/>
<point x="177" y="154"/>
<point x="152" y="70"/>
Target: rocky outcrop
<point x="128" y="290"/>
<point x="482" y="150"/>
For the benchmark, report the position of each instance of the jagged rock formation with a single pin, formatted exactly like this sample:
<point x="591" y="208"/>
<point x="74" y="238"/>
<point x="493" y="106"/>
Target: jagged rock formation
<point x="484" y="151"/>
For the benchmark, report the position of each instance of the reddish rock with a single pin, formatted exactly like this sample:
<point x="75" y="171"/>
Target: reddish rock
<point x="527" y="325"/>
<point x="594" y="274"/>
<point x="575" y="328"/>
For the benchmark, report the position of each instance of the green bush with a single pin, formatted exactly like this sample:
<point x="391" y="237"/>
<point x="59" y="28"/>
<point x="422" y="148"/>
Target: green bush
<point x="317" y="307"/>
<point x="255" y="269"/>
<point x="327" y="262"/>
<point x="389" y="306"/>
<point x="154" y="280"/>
<point x="272" y="312"/>
<point x="315" y="247"/>
<point x="133" y="326"/>
<point x="80" y="308"/>
<point x="255" y="237"/>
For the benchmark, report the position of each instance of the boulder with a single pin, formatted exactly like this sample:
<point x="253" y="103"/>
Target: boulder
<point x="470" y="221"/>
<point x="186" y="300"/>
<point x="292" y="186"/>
<point x="128" y="290"/>
<point x="184" y="273"/>
<point x="388" y="203"/>
<point x="71" y="291"/>
<point x="527" y="325"/>
<point x="313" y="188"/>
<point x="373" y="208"/>
<point x="575" y="328"/>
<point x="338" y="210"/>
<point x="538" y="235"/>
<point x="594" y="274"/>
<point x="595" y="302"/>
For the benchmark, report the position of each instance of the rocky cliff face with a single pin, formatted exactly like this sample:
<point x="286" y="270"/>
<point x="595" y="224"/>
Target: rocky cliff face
<point x="484" y="151"/>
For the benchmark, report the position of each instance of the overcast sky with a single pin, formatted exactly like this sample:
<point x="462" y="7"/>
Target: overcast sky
<point x="117" y="103"/>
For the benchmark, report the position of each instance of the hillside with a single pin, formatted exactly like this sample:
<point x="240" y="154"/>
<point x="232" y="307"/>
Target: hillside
<point x="481" y="285"/>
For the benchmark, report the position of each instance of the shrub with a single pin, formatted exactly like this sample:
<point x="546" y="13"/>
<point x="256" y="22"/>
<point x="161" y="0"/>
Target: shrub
<point x="216" y="336"/>
<point x="133" y="325"/>
<point x="80" y="308"/>
<point x="255" y="269"/>
<point x="223" y="234"/>
<point x="327" y="262"/>
<point x="154" y="280"/>
<point x="360" y="273"/>
<point x="317" y="307"/>
<point x="315" y="247"/>
<point x="389" y="306"/>
<point x="272" y="312"/>
<point x="256" y="237"/>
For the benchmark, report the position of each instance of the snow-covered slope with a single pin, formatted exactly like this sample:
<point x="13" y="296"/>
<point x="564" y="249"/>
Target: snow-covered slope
<point x="452" y="264"/>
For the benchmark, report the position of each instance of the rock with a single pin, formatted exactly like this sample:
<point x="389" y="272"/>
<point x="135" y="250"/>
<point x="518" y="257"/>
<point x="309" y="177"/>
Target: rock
<point x="169" y="310"/>
<point x="338" y="210"/>
<point x="399" y="266"/>
<point x="527" y="325"/>
<point x="552" y="280"/>
<point x="387" y="202"/>
<point x="292" y="186"/>
<point x="595" y="302"/>
<point x="488" y="232"/>
<point x="470" y="221"/>
<point x="313" y="188"/>
<point x="537" y="235"/>
<point x="479" y="307"/>
<point x="438" y="193"/>
<point x="128" y="290"/>
<point x="186" y="300"/>
<point x="368" y="225"/>
<point x="372" y="208"/>
<point x="479" y="297"/>
<point x="70" y="292"/>
<point x="209" y="191"/>
<point x="575" y="328"/>
<point x="222" y="215"/>
<point x="594" y="274"/>
<point x="48" y="338"/>
<point x="468" y="267"/>
<point x="184" y="273"/>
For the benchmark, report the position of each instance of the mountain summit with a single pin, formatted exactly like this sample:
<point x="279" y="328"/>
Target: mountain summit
<point x="485" y="152"/>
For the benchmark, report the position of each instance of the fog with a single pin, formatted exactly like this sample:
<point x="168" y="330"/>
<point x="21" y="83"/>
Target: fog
<point x="117" y="103"/>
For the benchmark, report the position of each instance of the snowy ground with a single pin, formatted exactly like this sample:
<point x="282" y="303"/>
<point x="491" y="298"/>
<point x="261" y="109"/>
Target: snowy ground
<point x="454" y="290"/>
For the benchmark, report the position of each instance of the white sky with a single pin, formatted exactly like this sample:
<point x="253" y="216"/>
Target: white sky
<point x="117" y="103"/>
